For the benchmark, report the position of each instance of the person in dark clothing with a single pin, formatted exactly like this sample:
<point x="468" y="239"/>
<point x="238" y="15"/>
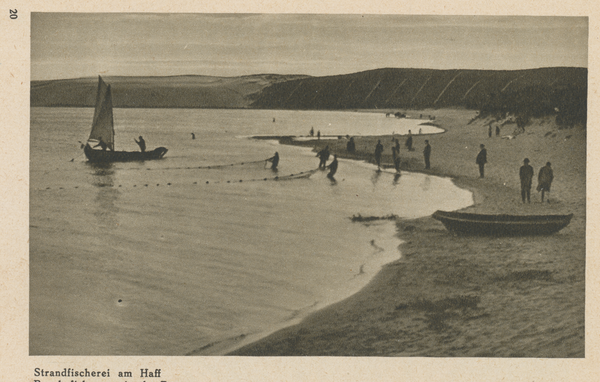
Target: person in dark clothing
<point x="312" y="131"/>
<point x="319" y="135"/>
<point x="427" y="154"/>
<point x="545" y="177"/>
<point x="490" y="131"/>
<point x="323" y="156"/>
<point x="481" y="159"/>
<point x="350" y="146"/>
<point x="378" y="152"/>
<point x="409" y="141"/>
<point x="497" y="130"/>
<point x="141" y="143"/>
<point x="526" y="175"/>
<point x="102" y="144"/>
<point x="274" y="160"/>
<point x="332" y="167"/>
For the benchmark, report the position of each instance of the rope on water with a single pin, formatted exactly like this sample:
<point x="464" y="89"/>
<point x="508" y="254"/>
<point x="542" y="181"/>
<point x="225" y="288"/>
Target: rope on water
<point x="300" y="175"/>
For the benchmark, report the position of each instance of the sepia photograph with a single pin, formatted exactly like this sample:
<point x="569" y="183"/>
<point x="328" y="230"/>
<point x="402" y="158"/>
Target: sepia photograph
<point x="272" y="191"/>
<point x="307" y="185"/>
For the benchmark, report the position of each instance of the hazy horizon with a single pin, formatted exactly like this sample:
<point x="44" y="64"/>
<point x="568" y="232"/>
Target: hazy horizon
<point x="80" y="45"/>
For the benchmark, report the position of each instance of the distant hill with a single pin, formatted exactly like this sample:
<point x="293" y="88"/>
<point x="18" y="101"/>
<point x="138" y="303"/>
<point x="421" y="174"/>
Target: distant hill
<point x="533" y="92"/>
<point x="529" y="93"/>
<point x="157" y="92"/>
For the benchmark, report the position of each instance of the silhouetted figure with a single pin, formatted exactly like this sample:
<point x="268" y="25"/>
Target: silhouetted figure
<point x="526" y="175"/>
<point x="350" y="146"/>
<point x="102" y="144"/>
<point x="378" y="152"/>
<point x="141" y="143"/>
<point x="312" y="132"/>
<point x="274" y="160"/>
<point x="427" y="154"/>
<point x="497" y="130"/>
<point x="481" y="160"/>
<point x="193" y="136"/>
<point x="490" y="130"/>
<point x="545" y="177"/>
<point x="333" y="166"/>
<point x="323" y="156"/>
<point x="319" y="135"/>
<point x="409" y="141"/>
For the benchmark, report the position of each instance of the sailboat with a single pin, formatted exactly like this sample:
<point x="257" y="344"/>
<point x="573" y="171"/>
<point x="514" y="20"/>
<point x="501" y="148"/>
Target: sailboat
<point x="103" y="134"/>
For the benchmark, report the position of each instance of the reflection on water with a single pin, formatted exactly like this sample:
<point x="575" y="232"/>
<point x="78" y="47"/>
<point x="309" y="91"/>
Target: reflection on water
<point x="426" y="184"/>
<point x="105" y="209"/>
<point x="375" y="177"/>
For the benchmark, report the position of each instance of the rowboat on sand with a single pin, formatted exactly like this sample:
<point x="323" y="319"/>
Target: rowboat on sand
<point x="502" y="225"/>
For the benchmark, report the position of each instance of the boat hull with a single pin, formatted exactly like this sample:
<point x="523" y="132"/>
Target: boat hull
<point x="502" y="225"/>
<point x="102" y="156"/>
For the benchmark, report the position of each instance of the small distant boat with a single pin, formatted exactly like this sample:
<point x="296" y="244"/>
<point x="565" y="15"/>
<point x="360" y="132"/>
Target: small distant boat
<point x="502" y="225"/>
<point x="103" y="134"/>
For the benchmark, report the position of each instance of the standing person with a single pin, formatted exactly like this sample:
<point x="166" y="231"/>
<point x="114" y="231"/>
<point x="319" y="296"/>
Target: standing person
<point x="427" y="154"/>
<point x="332" y="167"/>
<point x="102" y="144"/>
<point x="319" y="135"/>
<point x="141" y="143"/>
<point x="378" y="152"/>
<point x="497" y="130"/>
<point x="312" y="131"/>
<point x="274" y="160"/>
<point x="350" y="146"/>
<point x="545" y="177"/>
<point x="526" y="175"/>
<point x="409" y="141"/>
<point x="490" y="130"/>
<point x="324" y="156"/>
<point x="481" y="159"/>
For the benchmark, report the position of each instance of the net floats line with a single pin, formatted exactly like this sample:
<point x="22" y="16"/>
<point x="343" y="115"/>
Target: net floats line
<point x="208" y="167"/>
<point x="300" y="175"/>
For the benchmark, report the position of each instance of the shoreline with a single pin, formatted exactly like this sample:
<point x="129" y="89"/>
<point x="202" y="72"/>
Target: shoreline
<point x="438" y="295"/>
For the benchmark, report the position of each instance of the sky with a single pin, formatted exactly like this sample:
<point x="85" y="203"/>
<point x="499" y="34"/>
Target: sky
<point x="73" y="45"/>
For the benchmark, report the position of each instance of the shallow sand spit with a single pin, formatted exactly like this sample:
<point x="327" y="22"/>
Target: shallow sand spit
<point x="453" y="296"/>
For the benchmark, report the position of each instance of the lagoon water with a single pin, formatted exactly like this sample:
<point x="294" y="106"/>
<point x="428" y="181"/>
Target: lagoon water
<point x="161" y="258"/>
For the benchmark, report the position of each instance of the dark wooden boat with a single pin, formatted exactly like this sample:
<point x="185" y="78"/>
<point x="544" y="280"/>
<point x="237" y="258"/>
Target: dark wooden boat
<point x="103" y="134"/>
<point x="502" y="225"/>
<point x="122" y="156"/>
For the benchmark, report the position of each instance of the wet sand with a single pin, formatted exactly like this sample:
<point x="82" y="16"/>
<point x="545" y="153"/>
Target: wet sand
<point x="453" y="296"/>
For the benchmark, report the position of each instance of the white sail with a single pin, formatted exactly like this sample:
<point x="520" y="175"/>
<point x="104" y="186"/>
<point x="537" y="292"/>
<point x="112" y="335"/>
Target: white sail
<point x="103" y="125"/>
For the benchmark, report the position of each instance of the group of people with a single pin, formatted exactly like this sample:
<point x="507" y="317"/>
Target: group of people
<point x="545" y="177"/>
<point x="323" y="156"/>
<point x="396" y="152"/>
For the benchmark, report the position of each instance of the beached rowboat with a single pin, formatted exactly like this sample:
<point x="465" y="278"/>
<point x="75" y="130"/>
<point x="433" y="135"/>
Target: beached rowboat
<point x="502" y="225"/>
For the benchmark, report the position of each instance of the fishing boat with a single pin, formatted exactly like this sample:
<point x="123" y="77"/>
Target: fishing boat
<point x="502" y="225"/>
<point x="103" y="134"/>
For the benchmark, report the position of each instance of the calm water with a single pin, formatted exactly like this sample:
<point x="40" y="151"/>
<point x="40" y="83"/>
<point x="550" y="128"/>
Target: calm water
<point x="149" y="258"/>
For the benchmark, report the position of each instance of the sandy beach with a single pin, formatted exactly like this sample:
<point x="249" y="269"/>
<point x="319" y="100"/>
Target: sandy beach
<point x="453" y="296"/>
